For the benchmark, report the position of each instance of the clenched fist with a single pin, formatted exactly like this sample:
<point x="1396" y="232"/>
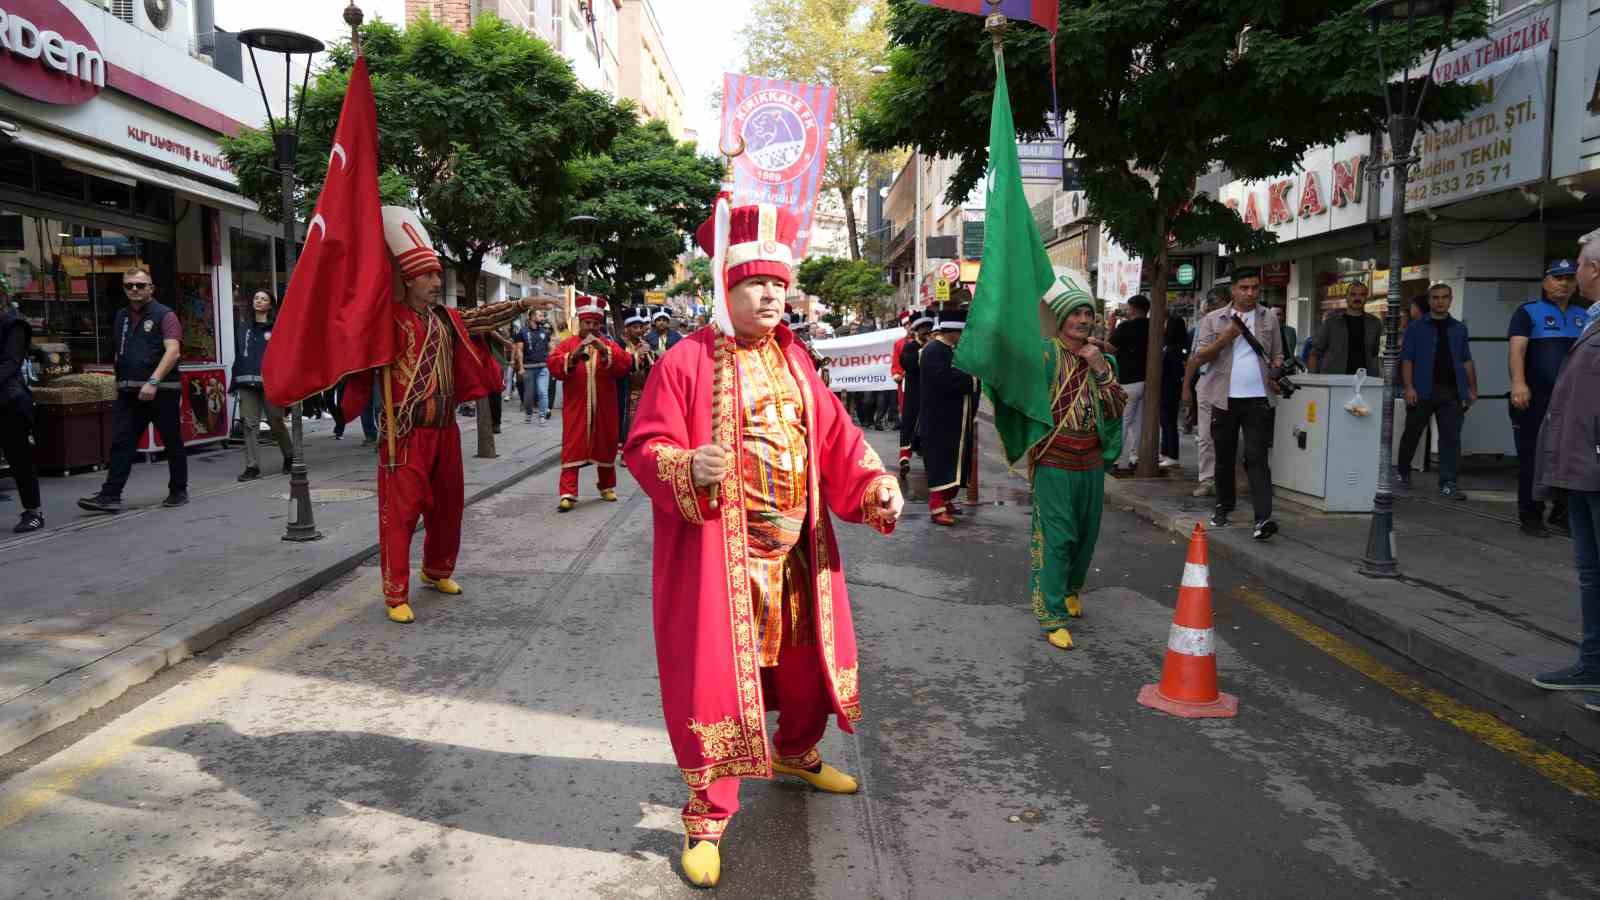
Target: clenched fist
<point x="709" y="466"/>
<point x="890" y="503"/>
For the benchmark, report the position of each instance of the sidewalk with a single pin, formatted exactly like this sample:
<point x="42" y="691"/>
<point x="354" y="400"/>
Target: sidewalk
<point x="1477" y="601"/>
<point x="94" y="605"/>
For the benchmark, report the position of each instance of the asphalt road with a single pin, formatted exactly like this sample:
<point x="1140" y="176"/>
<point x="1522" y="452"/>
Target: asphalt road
<point x="510" y="745"/>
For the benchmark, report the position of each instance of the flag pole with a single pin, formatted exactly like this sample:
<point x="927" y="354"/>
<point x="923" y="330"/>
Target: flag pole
<point x="996" y="24"/>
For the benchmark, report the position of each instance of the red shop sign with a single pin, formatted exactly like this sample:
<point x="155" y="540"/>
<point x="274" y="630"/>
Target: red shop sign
<point x="47" y="54"/>
<point x="1275" y="274"/>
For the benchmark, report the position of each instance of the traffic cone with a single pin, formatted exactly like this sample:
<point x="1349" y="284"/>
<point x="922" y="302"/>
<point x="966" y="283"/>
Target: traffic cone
<point x="1188" y="685"/>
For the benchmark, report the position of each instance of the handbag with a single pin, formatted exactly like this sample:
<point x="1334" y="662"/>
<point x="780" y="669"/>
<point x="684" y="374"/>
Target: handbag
<point x="1110" y="430"/>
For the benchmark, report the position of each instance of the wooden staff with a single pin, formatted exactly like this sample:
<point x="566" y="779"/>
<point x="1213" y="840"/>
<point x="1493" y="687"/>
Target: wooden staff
<point x="388" y="412"/>
<point x="719" y="384"/>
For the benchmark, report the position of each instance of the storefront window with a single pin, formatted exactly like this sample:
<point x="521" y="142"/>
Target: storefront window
<point x="16" y="166"/>
<point x="68" y="281"/>
<point x="252" y="269"/>
<point x="110" y="194"/>
<point x="153" y="202"/>
<point x="55" y="178"/>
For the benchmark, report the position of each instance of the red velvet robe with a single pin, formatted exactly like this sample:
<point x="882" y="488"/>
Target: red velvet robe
<point x="705" y="630"/>
<point x="898" y="373"/>
<point x="476" y="374"/>
<point x="590" y="420"/>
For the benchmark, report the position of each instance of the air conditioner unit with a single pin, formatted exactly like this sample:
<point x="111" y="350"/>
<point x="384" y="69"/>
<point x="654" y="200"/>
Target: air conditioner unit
<point x="123" y="9"/>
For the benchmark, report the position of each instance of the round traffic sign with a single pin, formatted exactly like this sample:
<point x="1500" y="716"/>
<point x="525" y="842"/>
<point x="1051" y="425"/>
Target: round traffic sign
<point x="950" y="272"/>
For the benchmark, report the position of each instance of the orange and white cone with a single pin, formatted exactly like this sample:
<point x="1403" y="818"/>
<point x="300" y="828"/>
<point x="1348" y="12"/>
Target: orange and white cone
<point x="1188" y="685"/>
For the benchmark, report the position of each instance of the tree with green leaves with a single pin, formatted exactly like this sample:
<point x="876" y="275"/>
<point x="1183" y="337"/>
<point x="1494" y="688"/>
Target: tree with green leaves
<point x="832" y="42"/>
<point x="859" y="286"/>
<point x="477" y="131"/>
<point x="646" y="192"/>
<point x="698" y="284"/>
<point x="1158" y="93"/>
<point x="813" y="271"/>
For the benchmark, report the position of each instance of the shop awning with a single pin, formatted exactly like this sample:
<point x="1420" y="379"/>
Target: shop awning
<point x="121" y="168"/>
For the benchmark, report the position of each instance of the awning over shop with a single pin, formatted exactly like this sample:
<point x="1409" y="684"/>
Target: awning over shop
<point x="121" y="168"/>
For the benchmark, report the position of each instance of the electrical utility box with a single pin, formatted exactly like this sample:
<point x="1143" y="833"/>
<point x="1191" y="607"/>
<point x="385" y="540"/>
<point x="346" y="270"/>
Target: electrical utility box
<point x="1323" y="455"/>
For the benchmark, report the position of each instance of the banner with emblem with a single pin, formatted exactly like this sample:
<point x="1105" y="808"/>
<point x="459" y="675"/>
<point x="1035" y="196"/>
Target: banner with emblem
<point x="777" y="134"/>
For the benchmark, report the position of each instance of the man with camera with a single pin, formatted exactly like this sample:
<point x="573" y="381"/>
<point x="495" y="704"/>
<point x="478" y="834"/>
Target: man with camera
<point x="1242" y="346"/>
<point x="589" y="366"/>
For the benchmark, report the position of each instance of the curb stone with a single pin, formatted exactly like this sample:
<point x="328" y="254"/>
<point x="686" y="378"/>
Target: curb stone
<point x="68" y="697"/>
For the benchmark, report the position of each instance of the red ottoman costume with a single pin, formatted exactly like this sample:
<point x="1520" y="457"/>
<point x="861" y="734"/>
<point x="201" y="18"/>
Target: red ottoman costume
<point x="751" y="611"/>
<point x="438" y="365"/>
<point x="590" y="420"/>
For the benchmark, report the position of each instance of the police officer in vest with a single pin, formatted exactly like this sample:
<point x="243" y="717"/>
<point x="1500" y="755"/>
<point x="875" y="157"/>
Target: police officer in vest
<point x="148" y="339"/>
<point x="1540" y="334"/>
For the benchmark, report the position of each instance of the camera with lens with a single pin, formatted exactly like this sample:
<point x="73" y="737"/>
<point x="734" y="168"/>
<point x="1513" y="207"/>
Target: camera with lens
<point x="1282" y="376"/>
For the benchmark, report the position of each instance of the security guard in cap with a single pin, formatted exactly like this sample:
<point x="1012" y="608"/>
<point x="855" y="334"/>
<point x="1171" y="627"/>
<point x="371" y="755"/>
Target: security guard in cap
<point x="1540" y="334"/>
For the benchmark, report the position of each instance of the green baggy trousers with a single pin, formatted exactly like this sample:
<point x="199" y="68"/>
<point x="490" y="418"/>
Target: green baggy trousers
<point x="1066" y="524"/>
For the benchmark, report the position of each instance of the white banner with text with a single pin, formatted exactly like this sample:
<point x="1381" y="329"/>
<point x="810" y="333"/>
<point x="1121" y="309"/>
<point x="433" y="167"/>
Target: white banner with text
<point x="860" y="362"/>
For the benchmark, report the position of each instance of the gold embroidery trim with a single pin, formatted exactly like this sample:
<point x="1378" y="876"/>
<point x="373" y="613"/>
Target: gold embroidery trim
<point x="702" y="829"/>
<point x="870" y="511"/>
<point x="720" y="739"/>
<point x="870" y="460"/>
<point x="807" y="760"/>
<point x="675" y="467"/>
<point x="849" y="682"/>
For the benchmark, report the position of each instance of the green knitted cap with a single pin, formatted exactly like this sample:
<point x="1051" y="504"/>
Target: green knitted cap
<point x="1069" y="291"/>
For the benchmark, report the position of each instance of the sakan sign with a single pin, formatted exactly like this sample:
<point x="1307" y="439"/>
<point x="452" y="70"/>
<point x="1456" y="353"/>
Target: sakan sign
<point x="47" y="54"/>
<point x="1326" y="192"/>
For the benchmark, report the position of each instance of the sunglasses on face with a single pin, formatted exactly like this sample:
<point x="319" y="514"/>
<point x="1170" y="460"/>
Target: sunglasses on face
<point x="136" y="285"/>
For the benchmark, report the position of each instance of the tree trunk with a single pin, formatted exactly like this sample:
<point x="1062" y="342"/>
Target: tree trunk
<point x="1150" y="421"/>
<point x="471" y="272"/>
<point x="850" y="224"/>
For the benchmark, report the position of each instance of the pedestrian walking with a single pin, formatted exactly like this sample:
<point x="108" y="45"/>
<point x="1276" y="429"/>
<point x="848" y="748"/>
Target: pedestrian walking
<point x="1241" y="346"/>
<point x="16" y="411"/>
<point x="500" y="348"/>
<point x="1130" y="344"/>
<point x="1347" y="340"/>
<point x="897" y="374"/>
<point x="1174" y="357"/>
<point x="1540" y="334"/>
<point x="148" y="338"/>
<point x="948" y="417"/>
<point x="921" y="328"/>
<point x="249" y="348"/>
<point x="1217" y="298"/>
<point x="744" y="453"/>
<point x="1568" y="468"/>
<point x="589" y="366"/>
<point x="533" y="353"/>
<point x="1441" y="383"/>
<point x="1067" y="469"/>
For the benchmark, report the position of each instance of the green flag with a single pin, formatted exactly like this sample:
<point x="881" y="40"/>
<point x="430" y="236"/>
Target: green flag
<point x="1002" y="345"/>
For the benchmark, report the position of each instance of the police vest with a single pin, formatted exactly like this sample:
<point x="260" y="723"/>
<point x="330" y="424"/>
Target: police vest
<point x="1550" y="322"/>
<point x="139" y="348"/>
<point x="251" y="346"/>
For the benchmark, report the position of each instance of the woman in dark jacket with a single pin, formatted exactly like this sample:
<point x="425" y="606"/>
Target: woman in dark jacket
<point x="1174" y="356"/>
<point x="16" y="412"/>
<point x="249" y="347"/>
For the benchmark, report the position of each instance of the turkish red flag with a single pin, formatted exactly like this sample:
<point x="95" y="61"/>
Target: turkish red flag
<point x="335" y="317"/>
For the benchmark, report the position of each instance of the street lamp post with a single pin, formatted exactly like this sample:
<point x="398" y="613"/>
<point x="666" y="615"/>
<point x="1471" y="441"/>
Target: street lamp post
<point x="302" y="524"/>
<point x="1380" y="559"/>
<point x="585" y="227"/>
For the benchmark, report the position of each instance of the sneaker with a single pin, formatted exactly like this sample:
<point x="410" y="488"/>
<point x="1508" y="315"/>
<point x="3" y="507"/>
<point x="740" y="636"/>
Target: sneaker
<point x="288" y="465"/>
<point x="101" y="503"/>
<point x="176" y="498"/>
<point x="1219" y="519"/>
<point x="1206" y="489"/>
<point x="1167" y="462"/>
<point x="1403" y="478"/>
<point x="251" y="473"/>
<point x="1534" y="528"/>
<point x="1572" y="678"/>
<point x="32" y="520"/>
<point x="1451" y="492"/>
<point x="1264" y="529"/>
<point x="527" y="420"/>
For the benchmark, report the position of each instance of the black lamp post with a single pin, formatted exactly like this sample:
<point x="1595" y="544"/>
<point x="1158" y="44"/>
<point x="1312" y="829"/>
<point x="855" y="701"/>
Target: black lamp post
<point x="1379" y="561"/>
<point x="584" y="227"/>
<point x="285" y="137"/>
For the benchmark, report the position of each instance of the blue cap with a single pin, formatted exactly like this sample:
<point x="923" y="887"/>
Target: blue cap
<point x="1561" y="268"/>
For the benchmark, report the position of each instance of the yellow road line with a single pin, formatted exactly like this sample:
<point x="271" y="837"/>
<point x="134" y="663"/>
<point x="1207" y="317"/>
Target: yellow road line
<point x="1554" y="766"/>
<point x="140" y="723"/>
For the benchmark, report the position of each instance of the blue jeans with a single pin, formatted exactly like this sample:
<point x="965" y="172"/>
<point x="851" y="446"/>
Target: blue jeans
<point x="536" y="383"/>
<point x="369" y="416"/>
<point x="1583" y="514"/>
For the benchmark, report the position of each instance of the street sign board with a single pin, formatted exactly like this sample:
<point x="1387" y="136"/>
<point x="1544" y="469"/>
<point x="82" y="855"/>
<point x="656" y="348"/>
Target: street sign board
<point x="950" y="271"/>
<point x="941" y="290"/>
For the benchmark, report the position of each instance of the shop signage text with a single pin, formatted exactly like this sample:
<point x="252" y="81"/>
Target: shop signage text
<point x="47" y="54"/>
<point x="179" y="149"/>
<point x="1326" y="193"/>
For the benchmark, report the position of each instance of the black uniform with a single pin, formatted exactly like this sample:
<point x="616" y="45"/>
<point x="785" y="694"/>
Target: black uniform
<point x="910" y="382"/>
<point x="949" y="410"/>
<point x="140" y="347"/>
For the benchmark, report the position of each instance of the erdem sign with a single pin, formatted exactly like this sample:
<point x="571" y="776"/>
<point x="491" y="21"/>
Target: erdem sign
<point x="47" y="54"/>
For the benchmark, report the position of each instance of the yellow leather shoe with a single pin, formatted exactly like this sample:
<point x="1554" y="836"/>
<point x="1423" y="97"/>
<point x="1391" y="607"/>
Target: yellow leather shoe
<point x="826" y="779"/>
<point x="1074" y="606"/>
<point x="608" y="495"/>
<point x="702" y="863"/>
<point x="1060" y="638"/>
<point x="566" y="504"/>
<point x="401" y="614"/>
<point x="442" y="585"/>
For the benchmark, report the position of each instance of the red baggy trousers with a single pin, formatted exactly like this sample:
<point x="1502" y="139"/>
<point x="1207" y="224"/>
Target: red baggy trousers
<point x="569" y="479"/>
<point x="796" y="689"/>
<point x="427" y="483"/>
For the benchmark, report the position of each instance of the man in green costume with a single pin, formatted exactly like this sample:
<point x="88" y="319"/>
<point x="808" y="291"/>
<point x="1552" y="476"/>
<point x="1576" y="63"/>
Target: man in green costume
<point x="1068" y="467"/>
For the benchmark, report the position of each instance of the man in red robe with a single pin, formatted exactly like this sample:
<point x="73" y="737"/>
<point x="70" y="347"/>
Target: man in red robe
<point x="439" y="365"/>
<point x="588" y="365"/>
<point x="744" y="454"/>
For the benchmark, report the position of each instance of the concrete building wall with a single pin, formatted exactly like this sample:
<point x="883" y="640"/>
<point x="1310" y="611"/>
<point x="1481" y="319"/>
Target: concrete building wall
<point x="646" y="73"/>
